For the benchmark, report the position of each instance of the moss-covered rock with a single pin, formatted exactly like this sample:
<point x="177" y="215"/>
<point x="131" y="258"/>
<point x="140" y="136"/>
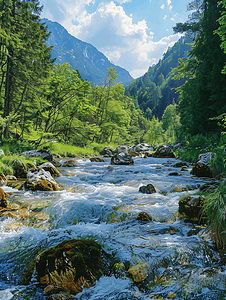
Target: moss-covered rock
<point x="190" y="208"/>
<point x="3" y="201"/>
<point x="164" y="151"/>
<point x="40" y="180"/>
<point x="72" y="265"/>
<point x="143" y="216"/>
<point x="49" y="167"/>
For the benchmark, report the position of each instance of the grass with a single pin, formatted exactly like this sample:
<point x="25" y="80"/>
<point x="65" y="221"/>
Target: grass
<point x="215" y="209"/>
<point x="73" y="151"/>
<point x="7" y="162"/>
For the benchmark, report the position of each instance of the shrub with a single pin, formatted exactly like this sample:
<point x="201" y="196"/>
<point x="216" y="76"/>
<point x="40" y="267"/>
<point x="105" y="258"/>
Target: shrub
<point x="215" y="209"/>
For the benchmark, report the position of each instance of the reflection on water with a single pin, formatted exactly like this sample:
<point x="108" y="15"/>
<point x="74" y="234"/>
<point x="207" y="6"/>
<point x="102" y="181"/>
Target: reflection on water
<point x="103" y="203"/>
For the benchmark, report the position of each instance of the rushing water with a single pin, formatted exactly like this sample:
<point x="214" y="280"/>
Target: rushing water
<point x="103" y="203"/>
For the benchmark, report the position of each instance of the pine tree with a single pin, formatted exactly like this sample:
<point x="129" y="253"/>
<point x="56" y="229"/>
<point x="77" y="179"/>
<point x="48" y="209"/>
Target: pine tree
<point x="26" y="61"/>
<point x="203" y="95"/>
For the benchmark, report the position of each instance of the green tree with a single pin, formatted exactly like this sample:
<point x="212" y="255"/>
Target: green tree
<point x="203" y="95"/>
<point x="25" y="61"/>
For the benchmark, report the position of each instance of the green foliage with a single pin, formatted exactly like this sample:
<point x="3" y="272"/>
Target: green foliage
<point x="193" y="145"/>
<point x="202" y="97"/>
<point x="214" y="208"/>
<point x="221" y="31"/>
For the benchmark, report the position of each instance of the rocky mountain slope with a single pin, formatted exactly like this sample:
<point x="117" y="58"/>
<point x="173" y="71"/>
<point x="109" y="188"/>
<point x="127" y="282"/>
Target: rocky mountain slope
<point x="91" y="63"/>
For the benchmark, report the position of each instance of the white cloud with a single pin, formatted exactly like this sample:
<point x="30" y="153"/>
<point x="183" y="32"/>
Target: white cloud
<point x="123" y="1"/>
<point x="168" y="2"/>
<point x="165" y="17"/>
<point x="163" y="6"/>
<point x="170" y="7"/>
<point x="172" y="19"/>
<point x="114" y="33"/>
<point x="175" y="14"/>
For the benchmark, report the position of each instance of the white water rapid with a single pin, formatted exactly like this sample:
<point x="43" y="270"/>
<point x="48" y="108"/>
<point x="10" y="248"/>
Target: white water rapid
<point x="102" y="203"/>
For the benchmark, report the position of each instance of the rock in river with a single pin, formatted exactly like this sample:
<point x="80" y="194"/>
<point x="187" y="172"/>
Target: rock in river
<point x="202" y="167"/>
<point x="40" y="180"/>
<point x="72" y="265"/>
<point x="122" y="159"/>
<point x="147" y="189"/>
<point x="164" y="151"/>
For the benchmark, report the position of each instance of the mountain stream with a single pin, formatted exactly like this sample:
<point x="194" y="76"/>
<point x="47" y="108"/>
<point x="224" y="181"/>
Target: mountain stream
<point x="102" y="203"/>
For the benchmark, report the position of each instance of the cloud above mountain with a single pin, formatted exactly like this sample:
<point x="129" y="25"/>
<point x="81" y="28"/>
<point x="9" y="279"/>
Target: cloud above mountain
<point x="125" y="39"/>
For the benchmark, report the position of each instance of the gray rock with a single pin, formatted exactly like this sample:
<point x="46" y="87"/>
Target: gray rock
<point x="45" y="154"/>
<point x="122" y="159"/>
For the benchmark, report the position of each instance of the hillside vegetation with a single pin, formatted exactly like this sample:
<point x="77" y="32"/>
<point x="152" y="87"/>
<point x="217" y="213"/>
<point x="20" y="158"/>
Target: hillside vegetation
<point x="156" y="89"/>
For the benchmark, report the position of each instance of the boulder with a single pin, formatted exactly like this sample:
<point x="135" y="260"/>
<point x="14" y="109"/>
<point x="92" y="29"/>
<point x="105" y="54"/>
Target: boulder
<point x="45" y="154"/>
<point x="142" y="147"/>
<point x="40" y="180"/>
<point x="202" y="166"/>
<point x="106" y="152"/>
<point x="72" y="265"/>
<point x="19" y="168"/>
<point x="3" y="201"/>
<point x="190" y="208"/>
<point x="143" y="216"/>
<point x="96" y="159"/>
<point x="121" y="149"/>
<point x="122" y="159"/>
<point x="48" y="166"/>
<point x="3" y="180"/>
<point x="164" y="151"/>
<point x="147" y="189"/>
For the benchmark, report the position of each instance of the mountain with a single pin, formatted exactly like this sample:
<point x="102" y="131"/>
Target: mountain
<point x="91" y="63"/>
<point x="156" y="89"/>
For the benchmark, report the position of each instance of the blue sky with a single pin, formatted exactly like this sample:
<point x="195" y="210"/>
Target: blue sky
<point x="131" y="33"/>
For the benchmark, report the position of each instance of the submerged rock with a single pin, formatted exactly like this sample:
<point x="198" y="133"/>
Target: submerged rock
<point x="202" y="167"/>
<point x="147" y="189"/>
<point x="122" y="159"/>
<point x="139" y="272"/>
<point x="40" y="180"/>
<point x="180" y="164"/>
<point x="72" y="265"/>
<point x="143" y="216"/>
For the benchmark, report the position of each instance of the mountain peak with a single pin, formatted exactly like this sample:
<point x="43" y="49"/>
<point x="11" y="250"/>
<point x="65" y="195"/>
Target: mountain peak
<point x="91" y="63"/>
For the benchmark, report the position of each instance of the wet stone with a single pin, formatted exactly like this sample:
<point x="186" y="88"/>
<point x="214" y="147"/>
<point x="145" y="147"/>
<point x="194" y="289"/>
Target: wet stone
<point x="72" y="265"/>
<point x="143" y="216"/>
<point x="147" y="189"/>
<point x="96" y="159"/>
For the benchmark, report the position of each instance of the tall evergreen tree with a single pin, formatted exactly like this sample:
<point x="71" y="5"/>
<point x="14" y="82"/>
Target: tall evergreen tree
<point x="25" y="60"/>
<point x="203" y="95"/>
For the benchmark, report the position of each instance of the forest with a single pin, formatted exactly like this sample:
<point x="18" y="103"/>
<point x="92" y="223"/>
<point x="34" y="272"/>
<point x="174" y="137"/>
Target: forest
<point x="41" y="100"/>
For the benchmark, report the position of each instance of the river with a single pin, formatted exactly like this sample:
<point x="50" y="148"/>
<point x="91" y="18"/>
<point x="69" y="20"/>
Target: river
<point x="102" y="203"/>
